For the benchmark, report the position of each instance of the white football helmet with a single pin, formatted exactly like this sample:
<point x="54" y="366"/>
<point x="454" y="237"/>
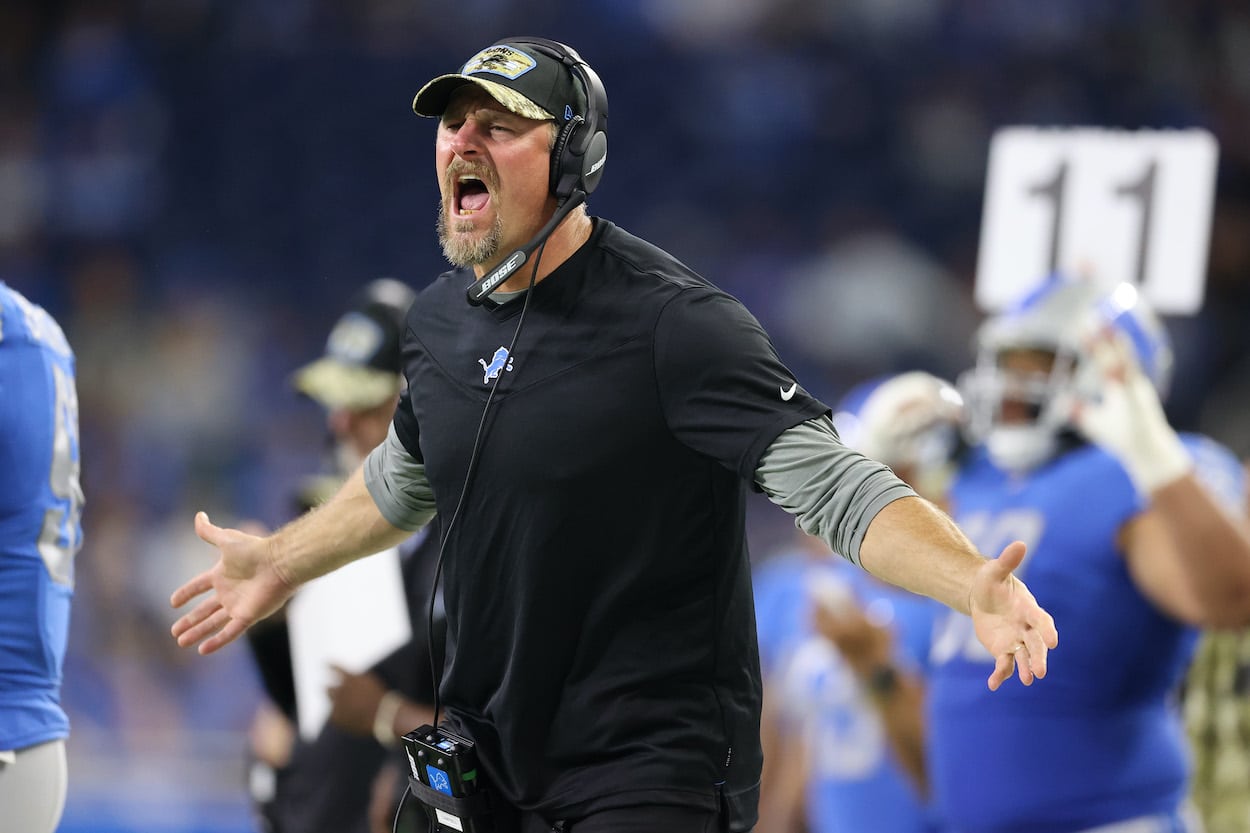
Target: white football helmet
<point x="1058" y="318"/>
<point x="911" y="421"/>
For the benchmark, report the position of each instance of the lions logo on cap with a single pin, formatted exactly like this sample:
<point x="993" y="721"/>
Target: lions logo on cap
<point x="500" y="60"/>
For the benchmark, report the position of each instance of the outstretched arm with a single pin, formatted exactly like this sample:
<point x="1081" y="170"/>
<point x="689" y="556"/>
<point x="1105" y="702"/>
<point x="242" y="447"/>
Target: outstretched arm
<point x="255" y="575"/>
<point x="913" y="544"/>
<point x="865" y="513"/>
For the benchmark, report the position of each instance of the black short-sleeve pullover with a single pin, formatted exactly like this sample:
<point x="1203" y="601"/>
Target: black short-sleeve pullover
<point x="597" y="586"/>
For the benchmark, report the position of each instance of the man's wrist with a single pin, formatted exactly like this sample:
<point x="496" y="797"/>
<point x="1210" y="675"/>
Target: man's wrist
<point x="882" y="680"/>
<point x="384" y="718"/>
<point x="280" y="570"/>
<point x="1165" y="461"/>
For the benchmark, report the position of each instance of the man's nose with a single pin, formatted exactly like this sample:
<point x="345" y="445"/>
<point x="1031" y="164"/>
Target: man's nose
<point x="466" y="141"/>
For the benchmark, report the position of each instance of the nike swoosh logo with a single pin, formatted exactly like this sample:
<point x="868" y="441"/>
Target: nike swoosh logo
<point x="788" y="393"/>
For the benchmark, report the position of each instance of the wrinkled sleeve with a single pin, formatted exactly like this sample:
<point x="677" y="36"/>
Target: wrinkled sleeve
<point x="397" y="483"/>
<point x="833" y="491"/>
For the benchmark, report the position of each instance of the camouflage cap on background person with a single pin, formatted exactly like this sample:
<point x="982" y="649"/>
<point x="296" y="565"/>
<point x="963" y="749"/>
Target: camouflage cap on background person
<point x="361" y="367"/>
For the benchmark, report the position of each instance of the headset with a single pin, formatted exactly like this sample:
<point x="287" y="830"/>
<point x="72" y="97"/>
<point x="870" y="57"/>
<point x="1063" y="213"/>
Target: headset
<point x="581" y="149"/>
<point x="577" y="157"/>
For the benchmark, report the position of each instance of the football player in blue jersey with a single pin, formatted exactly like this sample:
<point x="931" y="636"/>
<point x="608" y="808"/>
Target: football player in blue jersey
<point x="1136" y="539"/>
<point x="842" y="653"/>
<point x="40" y="533"/>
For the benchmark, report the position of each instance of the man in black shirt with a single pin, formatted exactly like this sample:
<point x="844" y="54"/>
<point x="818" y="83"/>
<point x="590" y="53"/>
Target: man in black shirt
<point x="586" y="427"/>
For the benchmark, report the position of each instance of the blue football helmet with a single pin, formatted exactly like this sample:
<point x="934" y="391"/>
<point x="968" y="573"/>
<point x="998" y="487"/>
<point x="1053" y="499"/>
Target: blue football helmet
<point x="1058" y="318"/>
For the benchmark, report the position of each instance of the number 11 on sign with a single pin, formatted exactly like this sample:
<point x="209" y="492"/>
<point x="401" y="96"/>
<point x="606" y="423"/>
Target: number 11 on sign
<point x="1101" y="205"/>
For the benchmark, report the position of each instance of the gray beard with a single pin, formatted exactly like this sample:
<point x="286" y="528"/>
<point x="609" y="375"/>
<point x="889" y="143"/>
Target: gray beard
<point x="464" y="253"/>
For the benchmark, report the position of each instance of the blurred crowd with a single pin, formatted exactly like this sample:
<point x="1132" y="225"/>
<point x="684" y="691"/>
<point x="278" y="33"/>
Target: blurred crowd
<point x="195" y="187"/>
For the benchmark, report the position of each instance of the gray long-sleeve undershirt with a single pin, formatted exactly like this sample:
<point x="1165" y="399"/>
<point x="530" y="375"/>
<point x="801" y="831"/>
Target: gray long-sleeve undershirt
<point x="833" y="492"/>
<point x="397" y="483"/>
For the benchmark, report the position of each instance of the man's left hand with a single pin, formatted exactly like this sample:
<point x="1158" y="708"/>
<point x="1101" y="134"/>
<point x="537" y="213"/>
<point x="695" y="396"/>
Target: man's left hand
<point x="1008" y="620"/>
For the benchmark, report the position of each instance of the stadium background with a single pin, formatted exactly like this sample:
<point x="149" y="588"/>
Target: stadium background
<point x="195" y="187"/>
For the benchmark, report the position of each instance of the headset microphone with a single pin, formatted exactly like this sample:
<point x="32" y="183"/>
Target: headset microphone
<point x="484" y="286"/>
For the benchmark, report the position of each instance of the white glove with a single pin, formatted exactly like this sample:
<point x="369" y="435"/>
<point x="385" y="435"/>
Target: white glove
<point x="1118" y="408"/>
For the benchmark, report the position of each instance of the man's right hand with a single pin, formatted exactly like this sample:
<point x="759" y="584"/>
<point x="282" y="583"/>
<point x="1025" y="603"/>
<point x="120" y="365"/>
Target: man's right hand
<point x="245" y="586"/>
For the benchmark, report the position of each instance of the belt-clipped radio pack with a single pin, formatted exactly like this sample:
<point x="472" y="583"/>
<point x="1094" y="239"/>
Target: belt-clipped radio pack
<point x="443" y="776"/>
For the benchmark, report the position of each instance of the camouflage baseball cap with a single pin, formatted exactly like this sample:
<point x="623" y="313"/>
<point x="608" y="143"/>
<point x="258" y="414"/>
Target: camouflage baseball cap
<point x="524" y="80"/>
<point x="361" y="366"/>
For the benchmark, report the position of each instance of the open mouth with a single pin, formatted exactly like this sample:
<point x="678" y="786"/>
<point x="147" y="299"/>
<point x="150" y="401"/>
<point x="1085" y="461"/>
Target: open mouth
<point x="471" y="195"/>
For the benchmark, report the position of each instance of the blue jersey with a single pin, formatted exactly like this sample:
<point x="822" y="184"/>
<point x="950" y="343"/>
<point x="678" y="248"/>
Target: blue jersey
<point x="40" y="509"/>
<point x="1099" y="740"/>
<point x="855" y="782"/>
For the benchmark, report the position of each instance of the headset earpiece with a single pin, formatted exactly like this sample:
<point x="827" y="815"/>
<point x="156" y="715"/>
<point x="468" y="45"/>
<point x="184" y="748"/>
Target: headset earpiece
<point x="581" y="148"/>
<point x="564" y="181"/>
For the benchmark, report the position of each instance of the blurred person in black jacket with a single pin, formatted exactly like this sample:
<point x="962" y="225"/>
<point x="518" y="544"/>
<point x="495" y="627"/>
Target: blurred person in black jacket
<point x="327" y="783"/>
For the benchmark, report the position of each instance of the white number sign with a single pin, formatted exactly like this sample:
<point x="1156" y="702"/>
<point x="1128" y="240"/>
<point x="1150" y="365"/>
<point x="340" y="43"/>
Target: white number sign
<point x="1105" y="205"/>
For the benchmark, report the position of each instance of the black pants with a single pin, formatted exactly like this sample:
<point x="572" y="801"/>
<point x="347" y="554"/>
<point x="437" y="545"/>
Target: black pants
<point x="326" y="786"/>
<point x="644" y="819"/>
